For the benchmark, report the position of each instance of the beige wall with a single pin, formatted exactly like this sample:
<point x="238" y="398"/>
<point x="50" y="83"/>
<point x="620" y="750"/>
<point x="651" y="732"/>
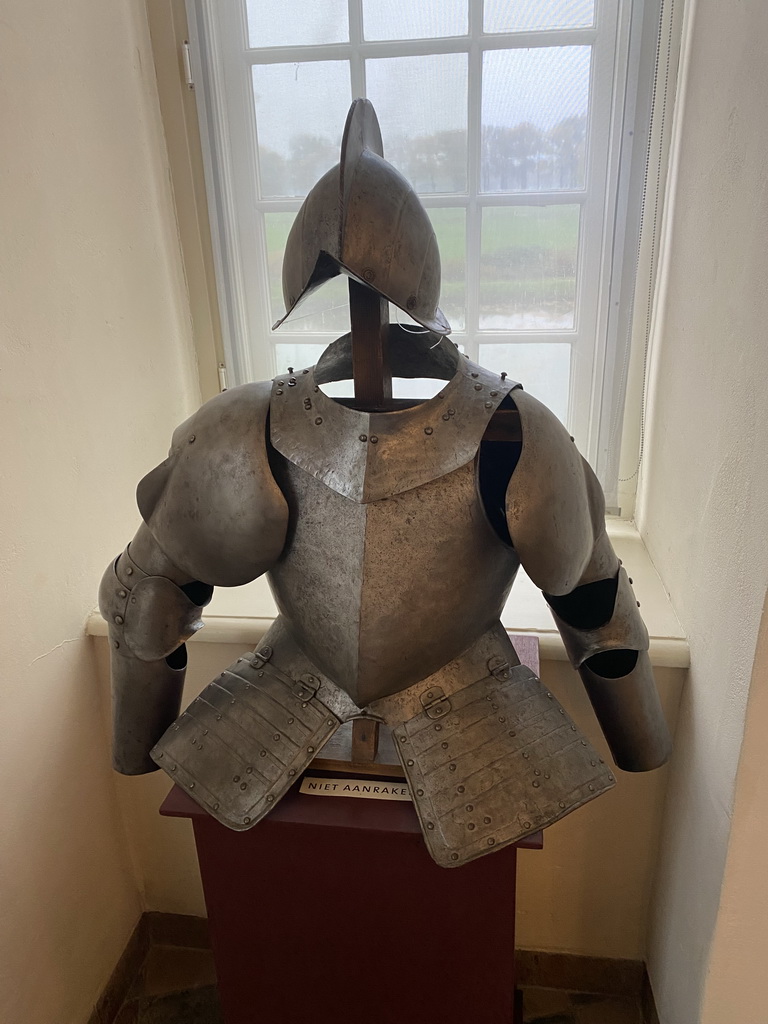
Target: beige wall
<point x="704" y="503"/>
<point x="94" y="373"/>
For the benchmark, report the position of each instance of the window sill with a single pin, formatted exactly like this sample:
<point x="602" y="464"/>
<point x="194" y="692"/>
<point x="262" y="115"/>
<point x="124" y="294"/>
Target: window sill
<point x="242" y="615"/>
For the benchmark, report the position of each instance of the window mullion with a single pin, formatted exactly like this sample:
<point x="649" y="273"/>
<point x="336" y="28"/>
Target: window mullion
<point x="356" y="60"/>
<point x="474" y="155"/>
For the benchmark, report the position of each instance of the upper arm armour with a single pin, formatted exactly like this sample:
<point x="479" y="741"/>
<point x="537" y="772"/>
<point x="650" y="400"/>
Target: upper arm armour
<point x="555" y="506"/>
<point x="213" y="506"/>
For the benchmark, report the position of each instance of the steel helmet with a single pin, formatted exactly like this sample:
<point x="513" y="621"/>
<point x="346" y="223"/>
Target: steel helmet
<point x="362" y="218"/>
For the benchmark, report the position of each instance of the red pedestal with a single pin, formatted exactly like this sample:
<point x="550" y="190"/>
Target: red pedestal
<point x="331" y="911"/>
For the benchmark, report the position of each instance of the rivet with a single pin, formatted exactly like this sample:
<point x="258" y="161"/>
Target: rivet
<point x="561" y="711"/>
<point x="429" y="695"/>
<point x="410" y="762"/>
<point x="280" y="383"/>
<point x="494" y="707"/>
<point x="503" y="374"/>
<point x="631" y="580"/>
<point x="536" y="771"/>
<point x="561" y="803"/>
<point x="492" y="841"/>
<point x="401" y="738"/>
<point x="430" y="825"/>
<point x="460" y="789"/>
<point x="246" y="821"/>
<point x="374" y="439"/>
<point x="546" y="775"/>
<point x="315" y="388"/>
<point x="279" y="391"/>
<point x="249" y="770"/>
<point x="276" y="737"/>
<point x="583" y="743"/>
<point x="438" y="727"/>
<point x="451" y="412"/>
<point x="236" y="778"/>
<point x="601" y="760"/>
<point x="363" y="437"/>
<point x="115" y="643"/>
<point x="290" y="369"/>
<point x="419" y="792"/>
<point x="444" y="745"/>
<point x="487" y="820"/>
<point x="526" y="755"/>
<point x="512" y="733"/>
<point x="329" y="722"/>
<point x="494" y="394"/>
<point x="536" y="783"/>
<point x="304" y="704"/>
<point x="261" y="675"/>
<point x="310" y="750"/>
<point x="368" y="274"/>
<point x="205" y="732"/>
<point x="573" y="728"/>
<point x="232" y="702"/>
<point x="243" y="785"/>
<point x="441" y="394"/>
<point x="478" y="387"/>
<point x="427" y="430"/>
<point x="191" y="785"/>
<point x="526" y="824"/>
<point x="191" y="438"/>
<point x="121" y="593"/>
<point x="469" y="807"/>
<point x="218" y="718"/>
<point x="215" y="807"/>
<point x="446" y="416"/>
<point x="129" y="571"/>
<point x="593" y="763"/>
<point x="292" y="772"/>
<point x="292" y="382"/>
<point x="502" y="718"/>
<point x="318" y="420"/>
<point x="471" y="826"/>
<point x="119" y="620"/>
<point x="270" y="798"/>
<point x="591" y="789"/>
<point x="610" y="778"/>
<point x="291" y="721"/>
<point x="549" y="694"/>
<point x="452" y="767"/>
<point x="489" y="405"/>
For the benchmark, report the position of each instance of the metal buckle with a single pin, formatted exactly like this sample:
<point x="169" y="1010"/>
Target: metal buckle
<point x="434" y="702"/>
<point x="498" y="666"/>
<point x="307" y="687"/>
<point x="259" y="658"/>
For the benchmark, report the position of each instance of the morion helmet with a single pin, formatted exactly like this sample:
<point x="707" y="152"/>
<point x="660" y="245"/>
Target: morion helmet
<point x="363" y="219"/>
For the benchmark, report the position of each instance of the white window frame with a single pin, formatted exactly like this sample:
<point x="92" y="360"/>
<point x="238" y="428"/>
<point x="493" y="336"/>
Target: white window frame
<point x="620" y="72"/>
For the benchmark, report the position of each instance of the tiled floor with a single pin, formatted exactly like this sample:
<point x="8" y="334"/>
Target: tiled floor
<point x="178" y="986"/>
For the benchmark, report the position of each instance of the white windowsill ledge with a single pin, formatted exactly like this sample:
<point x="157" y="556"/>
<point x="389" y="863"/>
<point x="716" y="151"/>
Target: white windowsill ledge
<point x="242" y="615"/>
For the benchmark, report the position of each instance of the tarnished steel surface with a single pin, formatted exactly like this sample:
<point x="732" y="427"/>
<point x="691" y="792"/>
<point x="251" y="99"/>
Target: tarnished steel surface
<point x="555" y="507"/>
<point x="242" y="743"/>
<point x="630" y="715"/>
<point x="625" y="630"/>
<point x="146" y="697"/>
<point x="364" y="218"/>
<point x="148" y="615"/>
<point x="408" y="355"/>
<point x="382" y="594"/>
<point x="492" y="760"/>
<point x="369" y="456"/>
<point x="213" y="505"/>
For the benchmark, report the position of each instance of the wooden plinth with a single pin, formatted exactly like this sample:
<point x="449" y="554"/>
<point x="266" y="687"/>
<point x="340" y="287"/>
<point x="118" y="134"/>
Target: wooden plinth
<point x="331" y="911"/>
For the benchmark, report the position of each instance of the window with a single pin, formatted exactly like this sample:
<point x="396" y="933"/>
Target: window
<point x="515" y="121"/>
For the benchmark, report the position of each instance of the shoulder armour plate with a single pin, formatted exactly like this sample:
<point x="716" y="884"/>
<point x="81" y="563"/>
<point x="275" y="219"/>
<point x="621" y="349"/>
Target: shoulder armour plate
<point x="555" y="507"/>
<point x="369" y="456"/>
<point x="213" y="506"/>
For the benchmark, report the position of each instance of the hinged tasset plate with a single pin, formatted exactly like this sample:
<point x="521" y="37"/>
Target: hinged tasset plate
<point x="244" y="741"/>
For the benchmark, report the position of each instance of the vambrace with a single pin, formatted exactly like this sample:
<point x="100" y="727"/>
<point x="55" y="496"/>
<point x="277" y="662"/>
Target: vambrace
<point x="152" y="608"/>
<point x="607" y="642"/>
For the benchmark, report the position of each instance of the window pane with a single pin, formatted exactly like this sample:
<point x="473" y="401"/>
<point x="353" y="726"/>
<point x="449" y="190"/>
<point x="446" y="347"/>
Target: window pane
<point x="514" y="16"/>
<point x="421" y="103"/>
<point x="404" y="19"/>
<point x="534" y="118"/>
<point x="544" y="370"/>
<point x="528" y="268"/>
<point x="451" y="230"/>
<point x="300" y="114"/>
<point x="297" y="22"/>
<point x="324" y="310"/>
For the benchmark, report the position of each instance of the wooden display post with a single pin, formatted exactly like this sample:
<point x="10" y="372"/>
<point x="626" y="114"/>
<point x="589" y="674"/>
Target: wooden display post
<point x="330" y="910"/>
